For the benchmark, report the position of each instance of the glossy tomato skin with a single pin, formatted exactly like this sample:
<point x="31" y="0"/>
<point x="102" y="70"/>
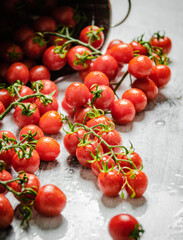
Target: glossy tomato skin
<point x="106" y="64"/>
<point x="113" y="138"/>
<point x="137" y="97"/>
<point x="67" y="108"/>
<point x="100" y="120"/>
<point x="33" y="129"/>
<point x="22" y="33"/>
<point x="138" y="48"/>
<point x="140" y="66"/>
<point x="147" y="86"/>
<point x="49" y="87"/>
<point x="6" y="212"/>
<point x="121" y="227"/>
<point x="29" y="165"/>
<point x="48" y="148"/>
<point x="39" y="72"/>
<point x="44" y="24"/>
<point x="80" y="115"/>
<point x="64" y="15"/>
<point x="84" y="72"/>
<point x="4" y="176"/>
<point x="50" y="201"/>
<point x="77" y="95"/>
<point x="122" y="111"/>
<point x="123" y="53"/>
<point x="18" y="71"/>
<point x="96" y="43"/>
<point x="96" y="77"/>
<point x="72" y="58"/>
<point x="24" y="91"/>
<point x="114" y="43"/>
<point x="23" y="120"/>
<point x="138" y="181"/>
<point x="163" y="42"/>
<point x="50" y="122"/>
<point x="5" y="98"/>
<point x="134" y="157"/>
<point x="2" y="108"/>
<point x="161" y="75"/>
<point x="98" y="164"/>
<point x="53" y="106"/>
<point x="52" y="60"/>
<point x="110" y="182"/>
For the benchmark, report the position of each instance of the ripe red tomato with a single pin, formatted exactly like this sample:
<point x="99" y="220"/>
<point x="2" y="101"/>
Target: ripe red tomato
<point x="114" y="43"/>
<point x="96" y="77"/>
<point x="22" y="33"/>
<point x="29" y="165"/>
<point x="13" y="54"/>
<point x="33" y="129"/>
<point x="122" y="111"/>
<point x="53" y="61"/>
<point x="39" y="72"/>
<point x="50" y="201"/>
<point x="18" y="71"/>
<point x="53" y="106"/>
<point x="33" y="50"/>
<point x="21" y="120"/>
<point x="160" y="75"/>
<point x="74" y="61"/>
<point x="5" y="98"/>
<point x="4" y="176"/>
<point x="6" y="212"/>
<point x="44" y="24"/>
<point x="134" y="157"/>
<point x="50" y="122"/>
<point x="24" y="91"/>
<point x="147" y="86"/>
<point x="100" y="120"/>
<point x="137" y="97"/>
<point x="162" y="42"/>
<point x="71" y="140"/>
<point x="96" y="40"/>
<point x="110" y="182"/>
<point x="140" y="66"/>
<point x="80" y="115"/>
<point x="64" y="15"/>
<point x="138" y="48"/>
<point x="124" y="227"/>
<point x="83" y="73"/>
<point x="106" y="64"/>
<point x="77" y="95"/>
<point x="49" y="87"/>
<point x="138" y="182"/>
<point x="97" y="166"/>
<point x="2" y="108"/>
<point x="67" y="108"/>
<point x="112" y="138"/>
<point x="48" y="148"/>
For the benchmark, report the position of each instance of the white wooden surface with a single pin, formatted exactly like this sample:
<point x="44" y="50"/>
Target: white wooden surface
<point x="156" y="134"/>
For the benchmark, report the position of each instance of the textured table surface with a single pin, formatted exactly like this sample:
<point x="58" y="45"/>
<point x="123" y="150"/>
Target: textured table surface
<point x="156" y="134"/>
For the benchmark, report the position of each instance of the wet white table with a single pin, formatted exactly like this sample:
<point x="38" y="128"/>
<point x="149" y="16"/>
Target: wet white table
<point x="156" y="134"/>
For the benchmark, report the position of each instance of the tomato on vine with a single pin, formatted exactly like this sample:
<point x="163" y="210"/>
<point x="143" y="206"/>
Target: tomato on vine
<point x="161" y="75"/>
<point x="33" y="129"/>
<point x="6" y="212"/>
<point x="96" y="77"/>
<point x="18" y="71"/>
<point x="161" y="41"/>
<point x="101" y="163"/>
<point x="39" y="72"/>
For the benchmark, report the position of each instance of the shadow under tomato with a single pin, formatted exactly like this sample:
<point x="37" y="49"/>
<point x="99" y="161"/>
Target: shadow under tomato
<point x="87" y="174"/>
<point x="138" y="204"/>
<point x="48" y="165"/>
<point x="111" y="202"/>
<point x="7" y="233"/>
<point x="72" y="162"/>
<point x="125" y="128"/>
<point x="160" y="99"/>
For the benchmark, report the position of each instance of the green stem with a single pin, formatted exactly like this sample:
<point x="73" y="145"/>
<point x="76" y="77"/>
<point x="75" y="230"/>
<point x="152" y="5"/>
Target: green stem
<point x="119" y="83"/>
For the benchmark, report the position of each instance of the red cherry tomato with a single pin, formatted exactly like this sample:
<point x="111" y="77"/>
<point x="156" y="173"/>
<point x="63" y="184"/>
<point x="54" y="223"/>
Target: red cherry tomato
<point x="27" y="164"/>
<point x="96" y="77"/>
<point x="52" y="106"/>
<point x="50" y="122"/>
<point x="22" y="33"/>
<point x="100" y="120"/>
<point x="96" y="40"/>
<point x="122" y="111"/>
<point x="13" y="54"/>
<point x="64" y="15"/>
<point x="113" y="138"/>
<point x="77" y="95"/>
<point x="53" y="61"/>
<point x="160" y="75"/>
<point x="39" y="72"/>
<point x="83" y="73"/>
<point x="44" y="24"/>
<point x="114" y="43"/>
<point x="106" y="64"/>
<point x="33" y="129"/>
<point x="97" y="166"/>
<point x="21" y="120"/>
<point x="147" y="86"/>
<point x="138" y="48"/>
<point x="18" y="71"/>
<point x="137" y="97"/>
<point x="124" y="227"/>
<point x="123" y="52"/>
<point x="24" y="91"/>
<point x="48" y="148"/>
<point x="110" y="182"/>
<point x="67" y="108"/>
<point x="2" y="108"/>
<point x="81" y="115"/>
<point x="162" y="42"/>
<point x="140" y="66"/>
<point x="49" y="87"/>
<point x="50" y="201"/>
<point x="5" y="98"/>
<point x="6" y="212"/>
<point x="4" y="176"/>
<point x="138" y="182"/>
<point x="74" y="61"/>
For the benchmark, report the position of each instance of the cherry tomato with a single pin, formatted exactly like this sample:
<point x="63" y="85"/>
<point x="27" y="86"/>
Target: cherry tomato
<point x="132" y="157"/>
<point x="140" y="66"/>
<point x="77" y="95"/>
<point x="50" y="201"/>
<point x="21" y="119"/>
<point x="138" y="48"/>
<point x="122" y="111"/>
<point x="114" y="43"/>
<point x="32" y="50"/>
<point x="137" y="97"/>
<point x="18" y="71"/>
<point x="2" y="108"/>
<point x="147" y="86"/>
<point x="162" y="42"/>
<point x="48" y="148"/>
<point x="52" y="106"/>
<point x="110" y="182"/>
<point x="39" y="72"/>
<point x="100" y="120"/>
<point x="80" y="115"/>
<point x="113" y="138"/>
<point x="44" y="24"/>
<point x="67" y="108"/>
<point x="4" y="176"/>
<point x="64" y="15"/>
<point x="123" y="52"/>
<point x="84" y="72"/>
<point x="22" y="33"/>
<point x="106" y="64"/>
<point x="27" y="164"/>
<point x="96" y="39"/>
<point x="13" y="54"/>
<point x="33" y="129"/>
<point x="6" y="212"/>
<point x="160" y="75"/>
<point x="5" y="98"/>
<point x="96" y="77"/>
<point x="55" y="40"/>
<point x="24" y="91"/>
<point x="71" y="140"/>
<point x="124" y="227"/>
<point x="49" y="87"/>
<point x="53" y="61"/>
<point x="74" y="61"/>
<point x="138" y="182"/>
<point x="97" y="166"/>
<point x="50" y="122"/>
